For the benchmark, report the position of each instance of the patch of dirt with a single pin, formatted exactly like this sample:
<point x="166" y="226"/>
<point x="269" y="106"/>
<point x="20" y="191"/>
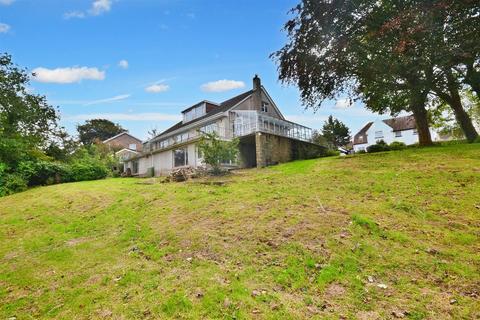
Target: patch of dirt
<point x="335" y="290"/>
<point x="368" y="315"/>
<point x="76" y="241"/>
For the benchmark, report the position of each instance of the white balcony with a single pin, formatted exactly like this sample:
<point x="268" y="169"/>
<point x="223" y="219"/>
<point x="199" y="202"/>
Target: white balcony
<point x="247" y="122"/>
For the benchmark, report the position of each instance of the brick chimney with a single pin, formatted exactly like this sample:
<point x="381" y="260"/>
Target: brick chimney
<point x="257" y="93"/>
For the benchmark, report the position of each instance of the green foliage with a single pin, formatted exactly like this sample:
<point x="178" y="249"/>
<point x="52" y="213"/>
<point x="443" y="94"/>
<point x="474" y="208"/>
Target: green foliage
<point x="378" y="147"/>
<point x="11" y="183"/>
<point x="336" y="133"/>
<point x="216" y="151"/>
<point x="98" y="130"/>
<point x="23" y="115"/>
<point x="397" y="145"/>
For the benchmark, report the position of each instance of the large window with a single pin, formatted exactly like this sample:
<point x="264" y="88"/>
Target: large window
<point x="134" y="167"/>
<point x="398" y="133"/>
<point x="209" y="128"/>
<point x="180" y="157"/>
<point x="182" y="137"/>
<point x="378" y="134"/>
<point x="194" y="113"/>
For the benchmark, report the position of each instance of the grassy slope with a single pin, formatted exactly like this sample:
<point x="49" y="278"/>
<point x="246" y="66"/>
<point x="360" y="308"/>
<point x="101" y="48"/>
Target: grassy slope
<point x="294" y="241"/>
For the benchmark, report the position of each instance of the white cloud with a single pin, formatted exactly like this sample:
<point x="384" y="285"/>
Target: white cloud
<point x="6" y="2"/>
<point x="148" y="116"/>
<point x="343" y="103"/>
<point x="222" y="85"/>
<point x="98" y="7"/>
<point x="123" y="64"/>
<point x="4" y="28"/>
<point x="67" y="75"/>
<point x="157" y="87"/>
<point x="74" y="14"/>
<point x="108" y="100"/>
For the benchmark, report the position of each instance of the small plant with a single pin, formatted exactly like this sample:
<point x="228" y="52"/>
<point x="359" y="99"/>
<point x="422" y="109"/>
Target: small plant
<point x="397" y="145"/>
<point x="378" y="147"/>
<point x="216" y="151"/>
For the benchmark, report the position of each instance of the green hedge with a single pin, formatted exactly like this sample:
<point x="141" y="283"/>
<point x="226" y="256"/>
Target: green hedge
<point x="38" y="173"/>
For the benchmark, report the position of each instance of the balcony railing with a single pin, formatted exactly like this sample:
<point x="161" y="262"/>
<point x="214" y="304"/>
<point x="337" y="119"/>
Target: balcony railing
<point x="247" y="122"/>
<point x="244" y="123"/>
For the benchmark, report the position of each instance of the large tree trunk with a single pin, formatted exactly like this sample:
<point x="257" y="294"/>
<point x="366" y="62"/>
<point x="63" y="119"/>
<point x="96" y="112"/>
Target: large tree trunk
<point x="472" y="78"/>
<point x="455" y="102"/>
<point x="417" y="106"/>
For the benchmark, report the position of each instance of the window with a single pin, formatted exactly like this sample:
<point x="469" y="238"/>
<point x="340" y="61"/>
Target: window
<point x="360" y="138"/>
<point x="180" y="157"/>
<point x="199" y="153"/>
<point x="264" y="106"/>
<point x="398" y="133"/>
<point x="132" y="146"/>
<point x="378" y="134"/>
<point x="209" y="128"/>
<point x="163" y="144"/>
<point x="415" y="132"/>
<point x="194" y="113"/>
<point x="181" y="137"/>
<point x="135" y="167"/>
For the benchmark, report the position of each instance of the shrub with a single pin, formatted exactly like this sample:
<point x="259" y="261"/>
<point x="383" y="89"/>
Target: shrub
<point x="81" y="171"/>
<point x="361" y="151"/>
<point x="332" y="153"/>
<point x="42" y="172"/>
<point x="378" y="147"/>
<point x="397" y="145"/>
<point x="216" y="151"/>
<point x="12" y="183"/>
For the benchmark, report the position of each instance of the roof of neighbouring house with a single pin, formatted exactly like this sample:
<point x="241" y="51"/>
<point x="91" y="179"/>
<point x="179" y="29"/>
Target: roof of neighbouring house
<point x="121" y="134"/>
<point x="128" y="150"/>
<point x="222" y="107"/>
<point x="361" y="133"/>
<point x="401" y="123"/>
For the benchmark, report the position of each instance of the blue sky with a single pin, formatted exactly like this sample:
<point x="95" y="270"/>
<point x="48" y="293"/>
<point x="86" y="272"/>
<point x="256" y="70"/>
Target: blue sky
<point x="140" y="62"/>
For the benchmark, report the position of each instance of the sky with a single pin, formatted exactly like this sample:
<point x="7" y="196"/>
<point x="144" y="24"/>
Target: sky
<point x="139" y="63"/>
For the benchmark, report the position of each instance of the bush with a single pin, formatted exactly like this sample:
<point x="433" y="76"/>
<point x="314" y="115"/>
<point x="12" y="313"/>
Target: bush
<point x="378" y="147"/>
<point x="332" y="153"/>
<point x="81" y="171"/>
<point x="42" y="172"/>
<point x="397" y="145"/>
<point x="361" y="151"/>
<point x="11" y="183"/>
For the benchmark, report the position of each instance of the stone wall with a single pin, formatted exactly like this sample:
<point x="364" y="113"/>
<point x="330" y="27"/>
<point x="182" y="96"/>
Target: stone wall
<point x="272" y="149"/>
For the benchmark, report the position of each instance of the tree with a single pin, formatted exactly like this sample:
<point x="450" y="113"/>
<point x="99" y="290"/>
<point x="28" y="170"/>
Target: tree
<point x="23" y="114"/>
<point x="216" y="151"/>
<point x="341" y="47"/>
<point x="336" y="133"/>
<point x="98" y="130"/>
<point x="394" y="54"/>
<point x="444" y="119"/>
<point x="27" y="122"/>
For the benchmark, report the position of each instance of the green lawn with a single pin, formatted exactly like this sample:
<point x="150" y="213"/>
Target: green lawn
<point x="374" y="236"/>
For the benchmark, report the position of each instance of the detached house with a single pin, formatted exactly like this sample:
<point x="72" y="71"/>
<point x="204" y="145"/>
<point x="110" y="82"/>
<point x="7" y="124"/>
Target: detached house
<point x="402" y="129"/>
<point x="266" y="137"/>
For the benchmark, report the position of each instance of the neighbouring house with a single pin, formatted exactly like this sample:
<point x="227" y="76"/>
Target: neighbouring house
<point x="265" y="136"/>
<point x="124" y="140"/>
<point x="402" y="129"/>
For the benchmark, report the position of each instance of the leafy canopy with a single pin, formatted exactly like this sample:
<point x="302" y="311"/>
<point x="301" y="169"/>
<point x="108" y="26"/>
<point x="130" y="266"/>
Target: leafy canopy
<point x="335" y="132"/>
<point x="98" y="129"/>
<point x="216" y="151"/>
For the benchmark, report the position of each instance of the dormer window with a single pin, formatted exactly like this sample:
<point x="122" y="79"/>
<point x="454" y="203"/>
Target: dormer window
<point x="194" y="112"/>
<point x="264" y="106"/>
